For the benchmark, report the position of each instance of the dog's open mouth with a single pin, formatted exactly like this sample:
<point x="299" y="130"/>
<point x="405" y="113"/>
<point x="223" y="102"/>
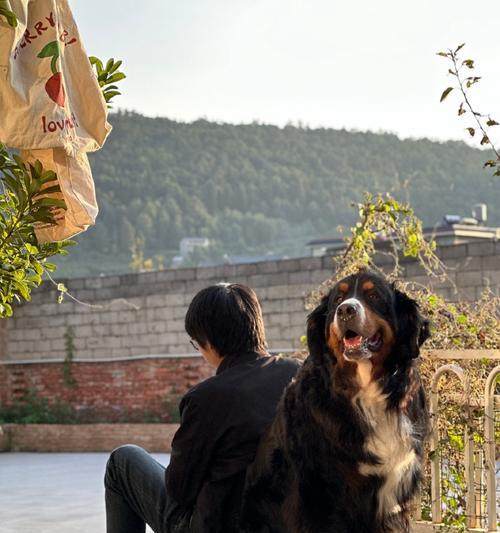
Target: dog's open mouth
<point x="355" y="345"/>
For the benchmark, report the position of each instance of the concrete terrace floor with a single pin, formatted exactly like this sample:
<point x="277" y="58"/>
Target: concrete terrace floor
<point x="54" y="492"/>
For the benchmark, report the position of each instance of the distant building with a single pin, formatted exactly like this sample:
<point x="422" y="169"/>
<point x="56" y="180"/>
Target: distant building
<point x="187" y="246"/>
<point x="453" y="229"/>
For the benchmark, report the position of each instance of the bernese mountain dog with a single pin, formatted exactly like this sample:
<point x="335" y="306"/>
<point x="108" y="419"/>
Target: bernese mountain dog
<point x="344" y="453"/>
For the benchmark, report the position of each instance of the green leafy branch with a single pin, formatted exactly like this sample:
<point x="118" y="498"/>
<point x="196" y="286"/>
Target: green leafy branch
<point x="27" y="200"/>
<point x="24" y="204"/>
<point x="8" y="14"/>
<point x="383" y="219"/>
<point x="464" y="84"/>
<point x="107" y="76"/>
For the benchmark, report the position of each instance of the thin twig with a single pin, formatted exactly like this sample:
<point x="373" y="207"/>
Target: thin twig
<point x="93" y="306"/>
<point x="469" y="105"/>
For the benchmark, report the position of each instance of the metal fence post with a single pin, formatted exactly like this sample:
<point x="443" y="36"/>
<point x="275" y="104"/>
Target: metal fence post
<point x="435" y="455"/>
<point x="489" y="445"/>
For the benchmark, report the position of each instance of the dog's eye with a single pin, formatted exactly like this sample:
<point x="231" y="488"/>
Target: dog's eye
<point x="372" y="296"/>
<point x="338" y="299"/>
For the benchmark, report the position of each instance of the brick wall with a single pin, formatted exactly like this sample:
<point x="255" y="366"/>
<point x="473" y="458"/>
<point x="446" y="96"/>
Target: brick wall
<point x="3" y="383"/>
<point x="135" y="390"/>
<point x="85" y="437"/>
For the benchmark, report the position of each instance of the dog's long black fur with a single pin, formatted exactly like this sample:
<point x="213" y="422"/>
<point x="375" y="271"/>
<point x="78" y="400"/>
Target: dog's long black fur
<point x="314" y="471"/>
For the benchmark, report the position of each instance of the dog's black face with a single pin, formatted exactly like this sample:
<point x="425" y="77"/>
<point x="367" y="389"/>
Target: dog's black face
<point x="365" y="317"/>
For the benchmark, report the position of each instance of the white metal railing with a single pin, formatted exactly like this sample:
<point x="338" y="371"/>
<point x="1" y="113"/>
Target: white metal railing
<point x="436" y="459"/>
<point x="479" y="460"/>
<point x="490" y="452"/>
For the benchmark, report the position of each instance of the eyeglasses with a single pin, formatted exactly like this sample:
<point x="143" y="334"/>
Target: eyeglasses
<point x="194" y="345"/>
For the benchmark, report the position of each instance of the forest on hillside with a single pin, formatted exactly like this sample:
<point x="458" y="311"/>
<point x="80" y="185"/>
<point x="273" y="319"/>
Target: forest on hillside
<point x="258" y="189"/>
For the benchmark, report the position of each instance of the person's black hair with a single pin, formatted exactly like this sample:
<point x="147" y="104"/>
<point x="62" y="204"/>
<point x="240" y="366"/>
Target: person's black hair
<point x="229" y="317"/>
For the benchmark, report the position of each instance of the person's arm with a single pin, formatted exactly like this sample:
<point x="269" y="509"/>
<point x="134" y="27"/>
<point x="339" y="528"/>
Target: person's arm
<point x="192" y="448"/>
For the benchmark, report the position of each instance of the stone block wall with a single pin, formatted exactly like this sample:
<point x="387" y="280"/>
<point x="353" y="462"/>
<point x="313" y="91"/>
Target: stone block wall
<point x="143" y="314"/>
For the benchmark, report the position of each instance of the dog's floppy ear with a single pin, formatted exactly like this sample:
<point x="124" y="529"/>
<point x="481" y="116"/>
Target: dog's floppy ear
<point x="413" y="329"/>
<point x="316" y="325"/>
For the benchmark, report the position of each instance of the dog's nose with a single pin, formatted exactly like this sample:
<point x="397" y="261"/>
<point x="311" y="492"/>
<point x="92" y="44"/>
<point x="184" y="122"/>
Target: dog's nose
<point x="347" y="311"/>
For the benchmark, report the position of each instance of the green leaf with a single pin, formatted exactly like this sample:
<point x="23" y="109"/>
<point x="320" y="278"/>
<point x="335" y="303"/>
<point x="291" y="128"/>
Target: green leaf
<point x="50" y="202"/>
<point x="50" y="50"/>
<point x="491" y="122"/>
<point x="468" y="63"/>
<point x="40" y="213"/>
<point x="459" y="48"/>
<point x="50" y="190"/>
<point x="471" y="131"/>
<point x="19" y="161"/>
<point x="490" y="163"/>
<point x="97" y="63"/>
<point x="446" y="92"/>
<point x="116" y="77"/>
<point x="61" y="287"/>
<point x="461" y="109"/>
<point x="9" y="15"/>
<point x="47" y="176"/>
<point x="433" y="300"/>
<point x="11" y="183"/>
<point x="485" y="140"/>
<point x="115" y="67"/>
<point x="108" y="95"/>
<point x="38" y="169"/>
<point x="471" y="81"/>
<point x="31" y="249"/>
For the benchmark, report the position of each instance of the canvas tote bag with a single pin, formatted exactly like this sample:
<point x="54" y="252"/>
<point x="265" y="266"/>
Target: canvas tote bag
<point x="51" y="106"/>
<point x="49" y="95"/>
<point x="77" y="190"/>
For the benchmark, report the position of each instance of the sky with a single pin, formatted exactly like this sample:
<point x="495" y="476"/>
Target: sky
<point x="357" y="64"/>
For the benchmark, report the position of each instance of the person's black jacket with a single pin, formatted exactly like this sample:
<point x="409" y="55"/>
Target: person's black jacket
<point x="222" y="420"/>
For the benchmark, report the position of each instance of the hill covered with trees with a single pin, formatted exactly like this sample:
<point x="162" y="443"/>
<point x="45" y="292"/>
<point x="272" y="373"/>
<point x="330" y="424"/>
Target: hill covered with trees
<point x="258" y="189"/>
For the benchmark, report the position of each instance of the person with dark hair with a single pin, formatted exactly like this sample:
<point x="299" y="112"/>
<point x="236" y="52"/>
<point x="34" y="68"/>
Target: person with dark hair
<point x="222" y="420"/>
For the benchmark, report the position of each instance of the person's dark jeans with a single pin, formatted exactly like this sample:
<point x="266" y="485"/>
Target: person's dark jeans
<point x="135" y="492"/>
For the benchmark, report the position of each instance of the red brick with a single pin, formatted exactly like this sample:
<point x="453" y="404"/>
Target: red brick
<point x="112" y="391"/>
<point x="85" y="437"/>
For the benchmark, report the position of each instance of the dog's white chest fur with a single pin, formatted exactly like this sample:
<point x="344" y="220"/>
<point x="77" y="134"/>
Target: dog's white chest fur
<point x="390" y="442"/>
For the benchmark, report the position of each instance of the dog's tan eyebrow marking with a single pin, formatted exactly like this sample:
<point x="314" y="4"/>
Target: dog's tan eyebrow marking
<point x="344" y="287"/>
<point x="368" y="285"/>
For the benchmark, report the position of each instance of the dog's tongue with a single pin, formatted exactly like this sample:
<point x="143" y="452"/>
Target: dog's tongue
<point x="353" y="342"/>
